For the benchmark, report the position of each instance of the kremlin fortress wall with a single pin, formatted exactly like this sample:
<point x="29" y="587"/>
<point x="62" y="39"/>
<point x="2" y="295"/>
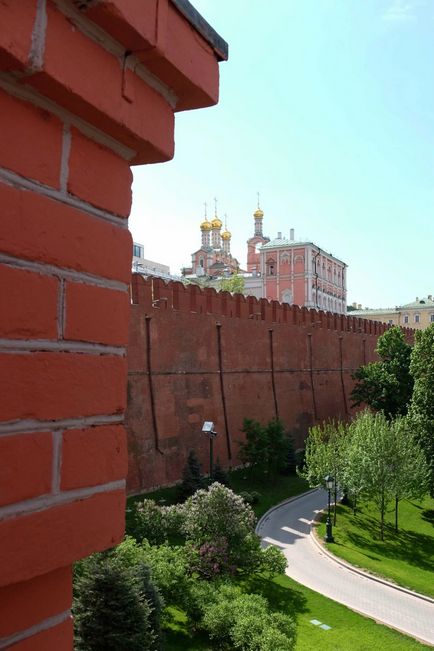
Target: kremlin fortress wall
<point x="196" y="355"/>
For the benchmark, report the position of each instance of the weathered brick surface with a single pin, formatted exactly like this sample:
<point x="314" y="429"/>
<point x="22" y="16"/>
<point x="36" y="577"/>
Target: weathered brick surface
<point x="49" y="386"/>
<point x="22" y="605"/>
<point x="28" y="304"/>
<point x="314" y="355"/>
<point x="59" y="535"/>
<point x="16" y="20"/>
<point x="97" y="175"/>
<point x="58" y="638"/>
<point x="91" y="456"/>
<point x="30" y="141"/>
<point x="37" y="228"/>
<point x="66" y="142"/>
<point x="96" y="314"/>
<point x="96" y="96"/>
<point x="28" y="456"/>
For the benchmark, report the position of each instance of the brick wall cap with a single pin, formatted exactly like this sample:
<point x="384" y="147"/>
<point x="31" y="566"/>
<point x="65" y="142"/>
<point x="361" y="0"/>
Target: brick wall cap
<point x="218" y="44"/>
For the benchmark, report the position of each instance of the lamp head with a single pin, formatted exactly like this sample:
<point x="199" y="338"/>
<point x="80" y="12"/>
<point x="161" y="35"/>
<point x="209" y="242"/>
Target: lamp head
<point x="329" y="481"/>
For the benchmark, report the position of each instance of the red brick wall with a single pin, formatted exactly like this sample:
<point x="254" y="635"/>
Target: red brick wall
<point x="198" y="355"/>
<point x="83" y="95"/>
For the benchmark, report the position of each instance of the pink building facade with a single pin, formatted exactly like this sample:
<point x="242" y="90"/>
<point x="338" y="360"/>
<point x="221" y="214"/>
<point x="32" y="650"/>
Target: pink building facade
<point x="302" y="273"/>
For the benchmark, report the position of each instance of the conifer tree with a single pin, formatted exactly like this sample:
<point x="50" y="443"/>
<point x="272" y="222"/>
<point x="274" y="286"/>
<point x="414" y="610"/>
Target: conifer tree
<point x="192" y="479"/>
<point x="110" y="610"/>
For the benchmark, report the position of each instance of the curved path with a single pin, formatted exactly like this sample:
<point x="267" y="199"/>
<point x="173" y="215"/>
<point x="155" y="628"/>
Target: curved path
<point x="288" y="526"/>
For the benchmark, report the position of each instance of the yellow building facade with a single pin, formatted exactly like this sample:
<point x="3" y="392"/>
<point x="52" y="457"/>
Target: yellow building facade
<point x="418" y="315"/>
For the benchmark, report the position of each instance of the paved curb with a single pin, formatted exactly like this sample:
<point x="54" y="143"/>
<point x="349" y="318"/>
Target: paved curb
<point x="266" y="515"/>
<point x="339" y="561"/>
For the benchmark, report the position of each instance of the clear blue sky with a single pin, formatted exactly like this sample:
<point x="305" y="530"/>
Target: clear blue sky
<point x="327" y="109"/>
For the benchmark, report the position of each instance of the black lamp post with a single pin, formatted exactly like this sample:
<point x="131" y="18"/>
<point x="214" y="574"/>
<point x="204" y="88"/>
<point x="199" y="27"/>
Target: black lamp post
<point x="208" y="428"/>
<point x="329" y="482"/>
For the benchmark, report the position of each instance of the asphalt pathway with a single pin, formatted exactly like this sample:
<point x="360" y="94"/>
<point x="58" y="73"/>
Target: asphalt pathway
<point x="288" y="526"/>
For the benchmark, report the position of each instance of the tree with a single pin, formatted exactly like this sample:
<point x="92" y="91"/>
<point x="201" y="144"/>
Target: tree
<point x="386" y="385"/>
<point x="326" y="448"/>
<point x="218" y="518"/>
<point x="422" y="404"/>
<point x="192" y="478"/>
<point x="234" y="284"/>
<point x="219" y="475"/>
<point x="111" y="612"/>
<point x="375" y="443"/>
<point x="409" y="468"/>
<point x="266" y="448"/>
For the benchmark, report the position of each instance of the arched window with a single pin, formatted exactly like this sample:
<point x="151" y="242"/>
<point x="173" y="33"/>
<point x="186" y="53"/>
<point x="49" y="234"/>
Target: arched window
<point x="201" y="262"/>
<point x="406" y="318"/>
<point x="287" y="296"/>
<point x="271" y="267"/>
<point x="417" y="318"/>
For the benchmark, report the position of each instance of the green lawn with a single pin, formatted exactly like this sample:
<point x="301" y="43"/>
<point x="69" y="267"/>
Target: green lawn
<point x="406" y="557"/>
<point x="349" y="631"/>
<point x="271" y="493"/>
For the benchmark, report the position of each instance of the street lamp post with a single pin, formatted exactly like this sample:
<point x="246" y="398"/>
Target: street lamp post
<point x="329" y="482"/>
<point x="208" y="429"/>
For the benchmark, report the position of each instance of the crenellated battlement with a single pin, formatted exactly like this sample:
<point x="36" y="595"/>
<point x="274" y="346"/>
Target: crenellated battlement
<point x="157" y="294"/>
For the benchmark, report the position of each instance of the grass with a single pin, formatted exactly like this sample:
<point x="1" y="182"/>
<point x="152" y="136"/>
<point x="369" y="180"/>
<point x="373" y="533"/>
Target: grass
<point x="242" y="480"/>
<point x="349" y="631"/>
<point x="406" y="557"/>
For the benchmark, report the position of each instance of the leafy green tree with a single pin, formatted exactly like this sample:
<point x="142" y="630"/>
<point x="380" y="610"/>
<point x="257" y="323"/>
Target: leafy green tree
<point x="409" y="468"/>
<point x="422" y="403"/>
<point x="374" y="441"/>
<point x="325" y="454"/>
<point x="234" y="284"/>
<point x="192" y="479"/>
<point x="111" y="612"/>
<point x="253" y="450"/>
<point x="220" y="529"/>
<point x="265" y="449"/>
<point x="243" y="621"/>
<point x="386" y="385"/>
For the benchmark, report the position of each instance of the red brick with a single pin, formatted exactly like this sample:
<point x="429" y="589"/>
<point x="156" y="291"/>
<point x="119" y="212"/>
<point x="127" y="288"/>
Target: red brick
<point x="30" y="141"/>
<point x="24" y="604"/>
<point x="45" y="230"/>
<point x="16" y="20"/>
<point x="96" y="455"/>
<point x="173" y="51"/>
<point x="99" y="176"/>
<point x="26" y="466"/>
<point x="59" y="638"/>
<point x="40" y="542"/>
<point x="144" y="122"/>
<point x="50" y="386"/>
<point x="28" y="304"/>
<point x="96" y="314"/>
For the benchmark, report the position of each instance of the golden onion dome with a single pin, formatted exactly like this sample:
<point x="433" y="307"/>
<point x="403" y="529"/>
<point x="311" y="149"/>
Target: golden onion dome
<point x="258" y="214"/>
<point x="216" y="222"/>
<point x="205" y="225"/>
<point x="226" y="235"/>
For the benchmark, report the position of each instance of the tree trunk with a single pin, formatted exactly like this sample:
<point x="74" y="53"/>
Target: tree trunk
<point x="382" y="516"/>
<point x="396" y="513"/>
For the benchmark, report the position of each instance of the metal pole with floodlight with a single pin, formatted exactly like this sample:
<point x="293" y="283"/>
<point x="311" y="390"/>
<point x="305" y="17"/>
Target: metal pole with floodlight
<point x="208" y="429"/>
<point x="329" y="482"/>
